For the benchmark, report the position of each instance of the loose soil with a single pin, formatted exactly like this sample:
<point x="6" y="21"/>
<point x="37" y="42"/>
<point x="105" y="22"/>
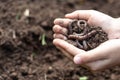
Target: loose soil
<point x="84" y="36"/>
<point x="23" y="57"/>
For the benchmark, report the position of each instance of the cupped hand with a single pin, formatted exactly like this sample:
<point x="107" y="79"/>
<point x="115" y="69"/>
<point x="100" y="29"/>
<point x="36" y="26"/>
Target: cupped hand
<point x="105" y="55"/>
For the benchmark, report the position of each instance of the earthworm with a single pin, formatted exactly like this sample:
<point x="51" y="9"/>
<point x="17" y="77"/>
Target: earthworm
<point x="82" y="24"/>
<point x="71" y="25"/>
<point x="85" y="45"/>
<point x="72" y="42"/>
<point x="80" y="38"/>
<point x="79" y="45"/>
<point x="79" y="32"/>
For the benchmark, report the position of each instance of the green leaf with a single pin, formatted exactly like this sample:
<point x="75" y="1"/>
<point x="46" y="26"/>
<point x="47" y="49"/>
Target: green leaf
<point x="43" y="42"/>
<point x="83" y="78"/>
<point x="17" y="17"/>
<point x="33" y="54"/>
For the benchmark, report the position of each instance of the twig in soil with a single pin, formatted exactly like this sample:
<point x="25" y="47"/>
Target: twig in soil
<point x="1" y="78"/>
<point x="26" y="14"/>
<point x="32" y="56"/>
<point x="45" y="76"/>
<point x="13" y="33"/>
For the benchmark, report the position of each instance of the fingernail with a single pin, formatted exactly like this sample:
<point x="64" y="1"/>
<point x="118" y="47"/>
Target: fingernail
<point x="77" y="60"/>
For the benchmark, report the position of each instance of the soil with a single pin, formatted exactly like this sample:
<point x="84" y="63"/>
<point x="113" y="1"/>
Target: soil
<point x="84" y="36"/>
<point x="22" y="55"/>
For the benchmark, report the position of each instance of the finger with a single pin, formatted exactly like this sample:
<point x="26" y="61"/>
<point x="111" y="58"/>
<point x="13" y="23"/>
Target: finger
<point x="67" y="47"/>
<point x="59" y="29"/>
<point x="98" y="53"/>
<point x="60" y="36"/>
<point x="103" y="52"/>
<point x="79" y="14"/>
<point x="66" y="53"/>
<point x="99" y="65"/>
<point x="62" y="22"/>
<point x="94" y="18"/>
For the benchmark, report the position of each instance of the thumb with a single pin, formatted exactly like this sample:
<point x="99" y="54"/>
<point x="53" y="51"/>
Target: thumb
<point x="96" y="54"/>
<point x="84" y="58"/>
<point x="79" y="14"/>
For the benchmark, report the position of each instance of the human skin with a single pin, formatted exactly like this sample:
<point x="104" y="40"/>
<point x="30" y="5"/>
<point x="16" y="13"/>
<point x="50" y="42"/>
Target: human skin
<point x="106" y="55"/>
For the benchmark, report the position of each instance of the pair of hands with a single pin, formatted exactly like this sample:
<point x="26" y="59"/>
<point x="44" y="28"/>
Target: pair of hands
<point x="105" y="55"/>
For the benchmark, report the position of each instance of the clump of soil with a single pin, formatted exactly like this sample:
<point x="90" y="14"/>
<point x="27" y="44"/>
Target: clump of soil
<point x="85" y="37"/>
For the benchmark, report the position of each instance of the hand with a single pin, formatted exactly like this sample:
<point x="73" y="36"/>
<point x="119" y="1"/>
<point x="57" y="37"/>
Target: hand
<point x="105" y="55"/>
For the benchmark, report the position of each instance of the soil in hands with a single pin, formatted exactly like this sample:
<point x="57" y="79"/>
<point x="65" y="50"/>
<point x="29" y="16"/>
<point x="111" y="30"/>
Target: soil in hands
<point x="85" y="37"/>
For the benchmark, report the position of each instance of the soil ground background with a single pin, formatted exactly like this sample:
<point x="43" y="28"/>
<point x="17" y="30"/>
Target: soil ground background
<point x="23" y="57"/>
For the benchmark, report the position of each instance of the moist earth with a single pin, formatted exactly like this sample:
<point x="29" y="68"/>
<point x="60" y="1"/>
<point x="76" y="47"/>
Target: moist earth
<point x="22" y="54"/>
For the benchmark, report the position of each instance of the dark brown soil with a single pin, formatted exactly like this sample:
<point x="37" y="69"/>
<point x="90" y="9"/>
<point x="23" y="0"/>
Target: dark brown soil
<point x="84" y="36"/>
<point x="23" y="57"/>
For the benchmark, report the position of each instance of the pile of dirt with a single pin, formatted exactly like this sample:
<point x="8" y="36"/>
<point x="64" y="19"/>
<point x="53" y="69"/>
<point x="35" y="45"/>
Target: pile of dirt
<point x="22" y="55"/>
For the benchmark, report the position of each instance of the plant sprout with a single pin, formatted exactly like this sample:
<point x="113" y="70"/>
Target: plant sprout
<point x="17" y="17"/>
<point x="43" y="41"/>
<point x="83" y="78"/>
<point x="33" y="54"/>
